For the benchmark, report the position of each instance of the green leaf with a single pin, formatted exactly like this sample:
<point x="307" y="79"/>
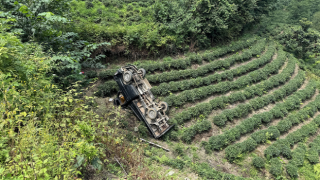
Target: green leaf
<point x="96" y="162"/>
<point x="24" y="9"/>
<point x="79" y="161"/>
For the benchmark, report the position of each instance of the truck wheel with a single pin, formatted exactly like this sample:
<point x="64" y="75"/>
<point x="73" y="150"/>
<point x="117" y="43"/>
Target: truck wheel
<point x="127" y="76"/>
<point x="164" y="106"/>
<point x="152" y="113"/>
<point x="142" y="72"/>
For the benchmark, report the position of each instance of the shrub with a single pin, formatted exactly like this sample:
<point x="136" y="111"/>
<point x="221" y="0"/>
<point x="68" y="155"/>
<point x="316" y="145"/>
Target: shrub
<point x="89" y="5"/>
<point x="104" y="75"/>
<point x="217" y="142"/>
<point x="209" y="67"/>
<point x="276" y="167"/>
<point x="179" y="149"/>
<point x="292" y="170"/>
<point x="232" y="152"/>
<point x="91" y="74"/>
<point x="129" y="7"/>
<point x="271" y="152"/>
<point x="176" y="163"/>
<point x="260" y="136"/>
<point x="107" y="88"/>
<point x="285" y="151"/>
<point x="248" y="125"/>
<point x="258" y="162"/>
<point x="143" y="130"/>
<point x="298" y="155"/>
<point x="249" y="145"/>
<point x="313" y="156"/>
<point x="173" y="135"/>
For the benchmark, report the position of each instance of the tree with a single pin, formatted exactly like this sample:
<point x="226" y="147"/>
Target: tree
<point x="305" y="24"/>
<point x="316" y="21"/>
<point x="40" y="19"/>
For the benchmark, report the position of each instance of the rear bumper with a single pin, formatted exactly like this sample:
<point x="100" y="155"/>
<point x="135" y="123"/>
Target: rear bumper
<point x="138" y="113"/>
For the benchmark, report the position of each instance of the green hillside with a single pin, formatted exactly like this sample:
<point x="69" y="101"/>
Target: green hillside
<point x="241" y="79"/>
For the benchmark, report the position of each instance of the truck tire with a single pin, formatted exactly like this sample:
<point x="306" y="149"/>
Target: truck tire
<point x="127" y="76"/>
<point x="164" y="106"/>
<point x="152" y="113"/>
<point x="143" y="72"/>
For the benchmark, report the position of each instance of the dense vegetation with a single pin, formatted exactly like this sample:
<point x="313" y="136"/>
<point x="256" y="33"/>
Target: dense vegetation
<point x="164" y="26"/>
<point x="243" y="88"/>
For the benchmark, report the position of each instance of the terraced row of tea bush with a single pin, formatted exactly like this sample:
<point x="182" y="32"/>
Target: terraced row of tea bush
<point x="110" y="86"/>
<point x="185" y="63"/>
<point x="257" y="97"/>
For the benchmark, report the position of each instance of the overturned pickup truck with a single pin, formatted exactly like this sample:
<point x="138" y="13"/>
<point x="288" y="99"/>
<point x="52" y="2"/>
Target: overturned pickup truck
<point x="135" y="93"/>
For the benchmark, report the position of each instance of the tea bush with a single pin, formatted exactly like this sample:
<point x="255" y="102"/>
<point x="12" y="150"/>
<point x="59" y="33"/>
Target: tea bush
<point x="107" y="88"/>
<point x="249" y="92"/>
<point x="212" y="66"/>
<point x="283" y="145"/>
<point x="314" y="150"/>
<point x="199" y="127"/>
<point x="292" y="170"/>
<point x="220" y="88"/>
<point x="91" y="74"/>
<point x="276" y="167"/>
<point x="258" y="162"/>
<point x="171" y="64"/>
<point x="262" y="101"/>
<point x="248" y="125"/>
<point x="164" y="88"/>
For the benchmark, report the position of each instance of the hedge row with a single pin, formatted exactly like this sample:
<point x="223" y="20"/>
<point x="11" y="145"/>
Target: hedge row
<point x="111" y="86"/>
<point x="314" y="151"/>
<point x="258" y="162"/>
<point x="243" y="110"/>
<point x="226" y="86"/>
<point x="276" y="167"/>
<point x="198" y="58"/>
<point x="297" y="160"/>
<point x="294" y="119"/>
<point x="210" y="67"/>
<point x="197" y="128"/>
<point x="107" y="88"/>
<point x="166" y="88"/>
<point x="282" y="146"/>
<point x="272" y="133"/>
<point x="235" y="46"/>
<point x="248" y="125"/>
<point x="107" y="74"/>
<point x="247" y="93"/>
<point x="186" y="62"/>
<point x="190" y="133"/>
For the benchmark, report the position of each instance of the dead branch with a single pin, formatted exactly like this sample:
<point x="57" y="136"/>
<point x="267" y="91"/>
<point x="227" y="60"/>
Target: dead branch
<point x="155" y="144"/>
